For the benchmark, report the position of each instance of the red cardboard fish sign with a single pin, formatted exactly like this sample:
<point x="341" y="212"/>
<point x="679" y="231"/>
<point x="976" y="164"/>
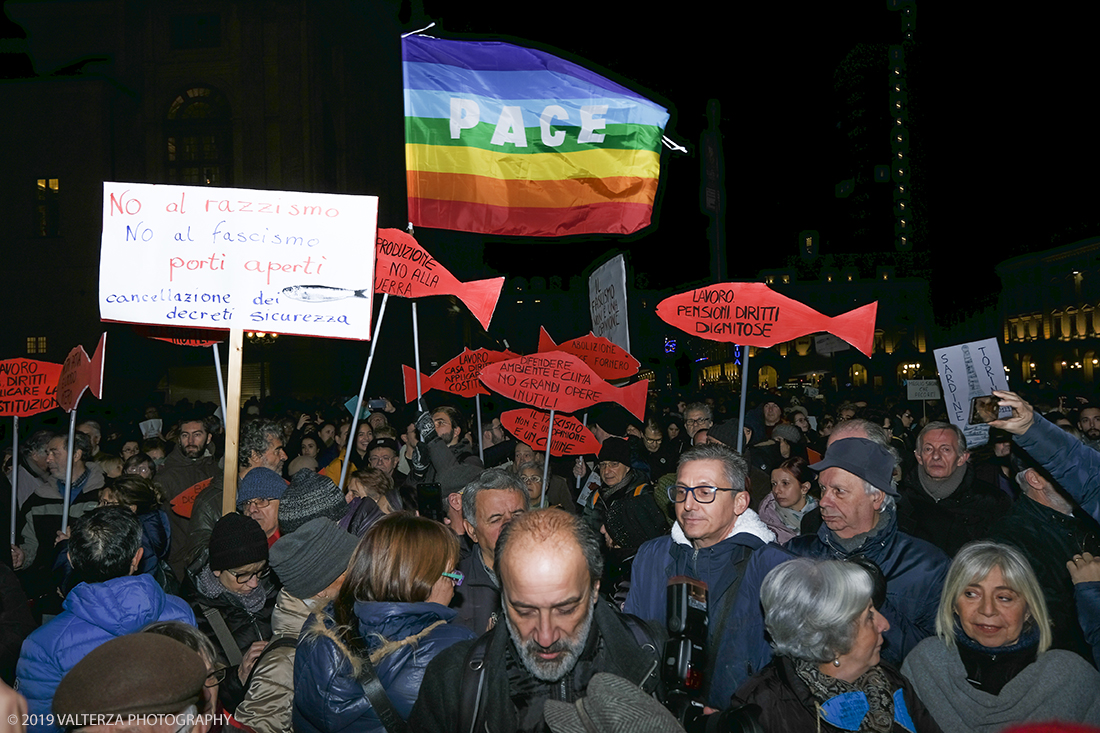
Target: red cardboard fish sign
<point x="404" y="269"/>
<point x="458" y="376"/>
<point x="554" y="380"/>
<point x="80" y="373"/>
<point x="531" y="426"/>
<point x="610" y="361"/>
<point x="182" y="336"/>
<point x="27" y="387"/>
<point x="755" y="315"/>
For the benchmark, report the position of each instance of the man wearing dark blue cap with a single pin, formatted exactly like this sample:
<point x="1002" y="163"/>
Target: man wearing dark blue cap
<point x="859" y="518"/>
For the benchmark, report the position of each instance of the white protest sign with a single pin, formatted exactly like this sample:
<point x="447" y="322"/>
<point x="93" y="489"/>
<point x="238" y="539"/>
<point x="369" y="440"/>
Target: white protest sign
<point x="826" y="343"/>
<point x="922" y="389"/>
<point x="607" y="302"/>
<point x="969" y="373"/>
<point x="274" y="261"/>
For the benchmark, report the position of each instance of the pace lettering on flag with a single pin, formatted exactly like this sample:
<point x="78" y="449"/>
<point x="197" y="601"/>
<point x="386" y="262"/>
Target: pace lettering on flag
<point x="506" y="140"/>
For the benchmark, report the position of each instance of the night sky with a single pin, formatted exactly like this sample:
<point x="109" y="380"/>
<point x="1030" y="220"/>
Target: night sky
<point x="1002" y="140"/>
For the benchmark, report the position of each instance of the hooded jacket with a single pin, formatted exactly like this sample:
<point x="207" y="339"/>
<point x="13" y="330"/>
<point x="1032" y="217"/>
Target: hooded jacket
<point x="327" y="696"/>
<point x="742" y="649"/>
<point x="914" y="570"/>
<point x="93" y="613"/>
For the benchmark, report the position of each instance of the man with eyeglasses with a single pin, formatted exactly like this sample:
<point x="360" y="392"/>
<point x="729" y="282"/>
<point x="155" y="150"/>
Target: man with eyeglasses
<point x="697" y="415"/>
<point x="232" y="591"/>
<point x="261" y="446"/>
<point x="105" y="551"/>
<point x="719" y="540"/>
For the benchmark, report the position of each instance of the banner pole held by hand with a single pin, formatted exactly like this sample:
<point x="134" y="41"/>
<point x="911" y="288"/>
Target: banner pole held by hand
<point x="14" y="470"/>
<point x="69" y="471"/>
<point x="416" y="361"/>
<point x="221" y="382"/>
<point x="546" y="461"/>
<point x="362" y="391"/>
<point x="233" y="422"/>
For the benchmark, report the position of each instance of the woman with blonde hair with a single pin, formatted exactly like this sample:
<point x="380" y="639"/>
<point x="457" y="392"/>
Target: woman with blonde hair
<point x="990" y="664"/>
<point x="391" y="610"/>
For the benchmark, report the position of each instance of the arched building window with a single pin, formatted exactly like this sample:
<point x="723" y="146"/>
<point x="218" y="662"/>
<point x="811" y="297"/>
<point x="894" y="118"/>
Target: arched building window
<point x="198" y="132"/>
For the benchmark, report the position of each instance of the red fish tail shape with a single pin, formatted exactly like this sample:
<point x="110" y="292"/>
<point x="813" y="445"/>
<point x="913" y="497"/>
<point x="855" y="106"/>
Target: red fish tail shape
<point x="857" y="327"/>
<point x="95" y="368"/>
<point x="410" y="382"/>
<point x="481" y="296"/>
<point x="633" y="398"/>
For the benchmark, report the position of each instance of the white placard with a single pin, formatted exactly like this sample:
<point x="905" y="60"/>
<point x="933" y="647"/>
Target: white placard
<point x="204" y="257"/>
<point x="607" y="302"/>
<point x="968" y="371"/>
<point x="826" y="343"/>
<point x="923" y="389"/>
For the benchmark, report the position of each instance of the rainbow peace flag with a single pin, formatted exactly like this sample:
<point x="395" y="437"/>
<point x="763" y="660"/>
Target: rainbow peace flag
<point x="506" y="140"/>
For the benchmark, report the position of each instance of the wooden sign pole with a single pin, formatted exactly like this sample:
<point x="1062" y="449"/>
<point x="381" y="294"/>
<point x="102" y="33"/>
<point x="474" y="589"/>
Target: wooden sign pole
<point x="232" y="421"/>
<point x="546" y="462"/>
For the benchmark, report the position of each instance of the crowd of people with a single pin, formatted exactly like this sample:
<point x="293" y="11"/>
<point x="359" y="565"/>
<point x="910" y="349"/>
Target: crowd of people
<point x="821" y="566"/>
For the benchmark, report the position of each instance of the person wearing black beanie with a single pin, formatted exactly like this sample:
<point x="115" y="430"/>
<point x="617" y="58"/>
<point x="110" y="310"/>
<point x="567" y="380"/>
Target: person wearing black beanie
<point x="232" y="592"/>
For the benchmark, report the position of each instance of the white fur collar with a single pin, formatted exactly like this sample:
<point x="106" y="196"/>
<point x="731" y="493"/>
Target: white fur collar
<point x="748" y="523"/>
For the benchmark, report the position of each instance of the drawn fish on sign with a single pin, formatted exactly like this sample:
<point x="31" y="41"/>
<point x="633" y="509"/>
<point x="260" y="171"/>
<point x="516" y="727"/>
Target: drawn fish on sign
<point x="458" y="376"/>
<point x="609" y="360"/>
<point x="322" y="293"/>
<point x="79" y="373"/>
<point x="405" y="269"/>
<point x="571" y="438"/>
<point x="555" y="380"/>
<point x="753" y="314"/>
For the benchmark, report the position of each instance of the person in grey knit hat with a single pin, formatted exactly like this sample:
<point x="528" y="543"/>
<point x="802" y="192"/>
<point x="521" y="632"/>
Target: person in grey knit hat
<point x="310" y="495"/>
<point x="311" y="563"/>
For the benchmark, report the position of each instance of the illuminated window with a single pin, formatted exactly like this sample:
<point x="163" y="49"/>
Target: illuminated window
<point x="47" y="208"/>
<point x="36" y="344"/>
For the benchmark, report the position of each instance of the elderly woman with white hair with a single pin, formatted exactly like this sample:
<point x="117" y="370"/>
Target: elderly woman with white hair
<point x="990" y="664"/>
<point x="826" y="674"/>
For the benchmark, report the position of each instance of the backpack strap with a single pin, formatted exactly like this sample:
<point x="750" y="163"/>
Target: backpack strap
<point x="473" y="681"/>
<point x="225" y="637"/>
<point x="722" y="619"/>
<point x="279" y="642"/>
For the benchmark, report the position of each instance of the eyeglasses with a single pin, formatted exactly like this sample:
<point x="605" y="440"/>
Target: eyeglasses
<point x="258" y="503"/>
<point x="700" y="421"/>
<point x="702" y="494"/>
<point x="608" y="464"/>
<point x="457" y="576"/>
<point x="536" y="479"/>
<point x="653" y="441"/>
<point x="215" y="678"/>
<point x="245" y="577"/>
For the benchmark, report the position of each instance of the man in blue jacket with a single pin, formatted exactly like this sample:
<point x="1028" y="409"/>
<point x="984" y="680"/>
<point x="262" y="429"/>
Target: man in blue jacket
<point x="105" y="551"/>
<point x="719" y="540"/>
<point x="859" y="519"/>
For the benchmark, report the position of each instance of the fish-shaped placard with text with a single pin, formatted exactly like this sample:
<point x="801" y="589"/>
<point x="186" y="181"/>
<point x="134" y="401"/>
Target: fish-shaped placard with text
<point x="753" y="314"/>
<point x="403" y="268"/>
<point x="607" y="359"/>
<point x="458" y="376"/>
<point x="27" y="387"/>
<point x="555" y="380"/>
<point x="571" y="438"/>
